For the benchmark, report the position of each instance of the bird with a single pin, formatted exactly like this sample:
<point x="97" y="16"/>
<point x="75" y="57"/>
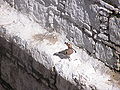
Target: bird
<point x="69" y="50"/>
<point x="64" y="54"/>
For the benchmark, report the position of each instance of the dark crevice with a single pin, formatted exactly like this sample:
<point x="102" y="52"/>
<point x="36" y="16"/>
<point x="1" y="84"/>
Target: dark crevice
<point x="5" y="85"/>
<point x="54" y="76"/>
<point x="111" y="3"/>
<point x="108" y="23"/>
<point x="0" y="63"/>
<point x="111" y="68"/>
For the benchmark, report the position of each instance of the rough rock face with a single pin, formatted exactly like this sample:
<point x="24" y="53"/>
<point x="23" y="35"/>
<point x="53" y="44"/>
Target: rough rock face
<point x="26" y="61"/>
<point x="90" y="24"/>
<point x="20" y="71"/>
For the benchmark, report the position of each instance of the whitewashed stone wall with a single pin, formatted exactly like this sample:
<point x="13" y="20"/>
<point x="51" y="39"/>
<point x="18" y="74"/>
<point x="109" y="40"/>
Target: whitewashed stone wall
<point x="93" y="25"/>
<point x="90" y="24"/>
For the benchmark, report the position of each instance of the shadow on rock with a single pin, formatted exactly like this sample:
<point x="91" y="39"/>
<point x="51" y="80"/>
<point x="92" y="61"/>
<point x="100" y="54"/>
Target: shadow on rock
<point x="62" y="54"/>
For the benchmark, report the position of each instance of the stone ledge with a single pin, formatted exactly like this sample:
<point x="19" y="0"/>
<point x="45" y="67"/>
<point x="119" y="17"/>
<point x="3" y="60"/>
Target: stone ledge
<point x="40" y="75"/>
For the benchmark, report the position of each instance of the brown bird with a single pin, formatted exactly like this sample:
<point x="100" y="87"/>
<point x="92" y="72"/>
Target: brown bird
<point x="65" y="53"/>
<point x="70" y="50"/>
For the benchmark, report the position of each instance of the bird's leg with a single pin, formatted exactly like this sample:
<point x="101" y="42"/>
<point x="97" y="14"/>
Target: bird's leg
<point x="74" y="50"/>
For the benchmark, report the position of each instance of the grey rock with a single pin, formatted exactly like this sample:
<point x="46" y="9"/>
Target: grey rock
<point x="78" y="40"/>
<point x="103" y="36"/>
<point x="100" y="51"/>
<point x="105" y="54"/>
<point x="114" y="27"/>
<point x="110" y="60"/>
<point x="88" y="43"/>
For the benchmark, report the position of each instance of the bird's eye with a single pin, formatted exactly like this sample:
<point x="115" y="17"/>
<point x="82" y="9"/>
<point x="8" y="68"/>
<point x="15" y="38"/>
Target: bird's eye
<point x="66" y="52"/>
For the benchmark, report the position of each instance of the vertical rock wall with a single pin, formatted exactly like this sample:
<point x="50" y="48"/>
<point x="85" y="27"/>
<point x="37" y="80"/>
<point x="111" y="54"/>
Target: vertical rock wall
<point x="90" y="24"/>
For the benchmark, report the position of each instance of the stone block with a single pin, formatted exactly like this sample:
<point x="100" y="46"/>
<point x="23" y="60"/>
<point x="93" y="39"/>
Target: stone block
<point x="88" y="43"/>
<point x="100" y="51"/>
<point x="105" y="54"/>
<point x="114" y="27"/>
<point x="103" y="36"/>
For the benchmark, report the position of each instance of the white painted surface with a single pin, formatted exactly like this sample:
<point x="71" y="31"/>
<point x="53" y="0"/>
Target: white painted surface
<point x="84" y="68"/>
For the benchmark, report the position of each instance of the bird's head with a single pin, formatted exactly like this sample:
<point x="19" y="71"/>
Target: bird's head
<point x="68" y="44"/>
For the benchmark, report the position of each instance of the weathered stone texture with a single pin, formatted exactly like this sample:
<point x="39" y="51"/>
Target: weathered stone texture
<point x="1" y="88"/>
<point x="20" y="71"/>
<point x="84" y="22"/>
<point x="114" y="27"/>
<point x="105" y="54"/>
<point x="91" y="17"/>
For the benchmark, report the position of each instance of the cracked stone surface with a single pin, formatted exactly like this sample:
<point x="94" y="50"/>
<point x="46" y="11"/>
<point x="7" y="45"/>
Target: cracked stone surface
<point x="31" y="31"/>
